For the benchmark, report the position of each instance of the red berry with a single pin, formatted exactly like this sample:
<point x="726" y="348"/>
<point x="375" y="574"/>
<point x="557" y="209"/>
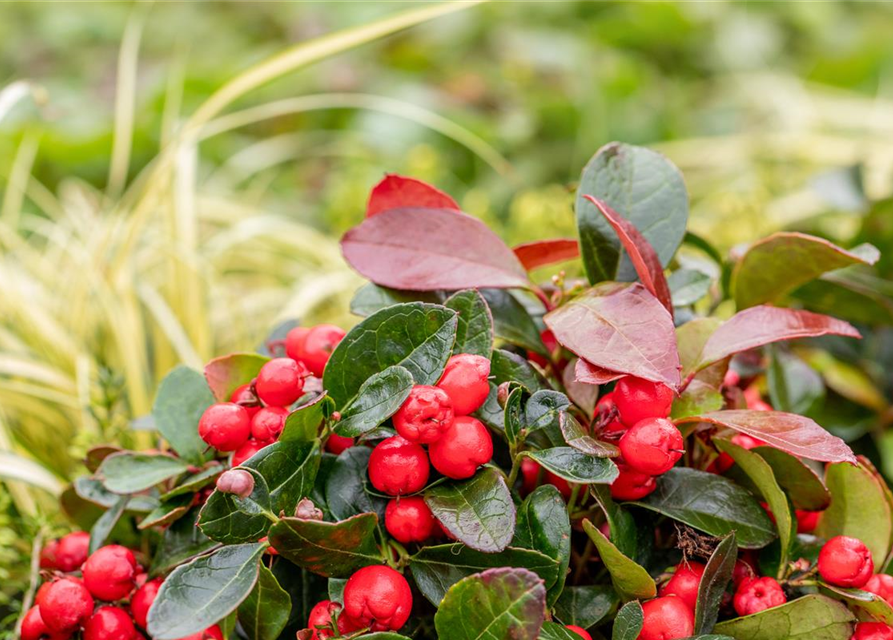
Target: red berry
<point x="321" y="616"/>
<point x="845" y="562"/>
<point x="143" y="599"/>
<point x="409" y="520"/>
<point x="336" y="444"/>
<point x="237" y="482"/>
<point x="65" y="605"/>
<point x="758" y="594"/>
<point x="807" y="521"/>
<point x="631" y="484"/>
<point x="465" y="382"/>
<point x="109" y="623"/>
<point x="280" y="382"/>
<point x="398" y="466"/>
<point x="743" y="571"/>
<point x="244" y="397"/>
<point x="579" y="631"/>
<point x="294" y="342"/>
<point x="72" y="551"/>
<point x="211" y="633"/>
<point x="667" y="618"/>
<point x="866" y="631"/>
<point x="247" y="451"/>
<point x="685" y="582"/>
<point x="652" y="446"/>
<point x="225" y="426"/>
<point x="425" y="414"/>
<point x="318" y="345"/>
<point x="109" y="572"/>
<point x="464" y="447"/>
<point x="268" y="423"/>
<point x="378" y="597"/>
<point x="33" y="627"/>
<point x="882" y="585"/>
<point x="637" y="399"/>
<point x="48" y="555"/>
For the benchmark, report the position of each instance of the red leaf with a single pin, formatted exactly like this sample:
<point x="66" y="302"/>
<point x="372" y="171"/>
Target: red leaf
<point x="226" y="373"/>
<point x="763" y="325"/>
<point x="430" y="249"/>
<point x="396" y="192"/>
<point x="620" y="328"/>
<point x="642" y="254"/>
<point x="541" y="253"/>
<point x="590" y="374"/>
<point x="789" y="432"/>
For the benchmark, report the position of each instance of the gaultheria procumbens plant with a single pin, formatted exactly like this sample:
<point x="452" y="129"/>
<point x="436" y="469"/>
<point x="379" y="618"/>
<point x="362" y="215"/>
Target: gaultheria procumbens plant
<point x="486" y="455"/>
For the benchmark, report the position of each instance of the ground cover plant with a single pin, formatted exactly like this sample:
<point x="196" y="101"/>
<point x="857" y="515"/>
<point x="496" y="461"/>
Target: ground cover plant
<point x="488" y="454"/>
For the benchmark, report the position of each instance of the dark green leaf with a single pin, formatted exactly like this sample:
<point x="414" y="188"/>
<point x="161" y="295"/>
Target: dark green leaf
<point x="794" y="386"/>
<point x="478" y="511"/>
<point x="474" y="333"/>
<point x="490" y="413"/>
<point x="543" y="411"/>
<point x="167" y="512"/>
<point x="544" y="525"/>
<point x="345" y="493"/>
<point x="712" y="504"/>
<point x="512" y="321"/>
<point x="227" y="373"/>
<point x="384" y="635"/>
<point x="801" y="484"/>
<point x="866" y="605"/>
<point x="330" y="549"/>
<point x="302" y="424"/>
<point x="585" y="606"/>
<point x="107" y="521"/>
<point x="812" y="617"/>
<point x="181" y="400"/>
<point x="289" y="469"/>
<point x="493" y="605"/>
<point x="194" y="482"/>
<point x="199" y="594"/>
<point x="336" y="589"/>
<point x="416" y="336"/>
<point x="717" y="575"/>
<point x="506" y="366"/>
<point x="371" y="298"/>
<point x="129" y="472"/>
<point x="575" y="466"/>
<point x="630" y="580"/>
<point x="555" y="631"/>
<point x="264" y="613"/>
<point x="687" y="286"/>
<point x="578" y="438"/>
<point x="629" y="622"/>
<point x="92" y="490"/>
<point x="181" y="542"/>
<point x="230" y="519"/>
<point x="624" y="531"/>
<point x="514" y="414"/>
<point x="377" y="400"/>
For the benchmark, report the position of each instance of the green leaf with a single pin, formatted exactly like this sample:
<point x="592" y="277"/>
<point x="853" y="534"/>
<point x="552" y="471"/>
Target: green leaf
<point x="130" y="472"/>
<point x="264" y="613"/>
<point x="103" y="527"/>
<point x="624" y="531"/>
<point x="384" y="635"/>
<point x="478" y="511"/>
<point x="513" y="415"/>
<point x="866" y="605"/>
<point x="199" y="594"/>
<point x="474" y="333"/>
<point x="415" y="335"/>
<point x="181" y="400"/>
<point x="794" y="386"/>
<point x="578" y="438"/>
<point x="646" y="189"/>
<point x="435" y="569"/>
<point x="330" y="549"/>
<point x="227" y="373"/>
<point x="712" y="504"/>
<point x="630" y="580"/>
<point x="859" y="508"/>
<point x="290" y="471"/>
<point x="302" y="424"/>
<point x="345" y="493"/>
<point x="193" y="483"/>
<point x="543" y="411"/>
<point x="784" y="261"/>
<point x="90" y="488"/>
<point x="377" y="400"/>
<point x="371" y="298"/>
<point x="585" y="606"/>
<point x="760" y="473"/>
<point x="575" y="466"/>
<point x="493" y="605"/>
<point x="543" y="525"/>
<point x="167" y="512"/>
<point x="512" y="321"/>
<point x="691" y="338"/>
<point x="629" y="621"/>
<point x="717" y="575"/>
<point x="506" y="366"/>
<point x="230" y="519"/>
<point x="555" y="631"/>
<point x="801" y="484"/>
<point x="687" y="286"/>
<point x="181" y="542"/>
<point x="812" y="617"/>
<point x="698" y="398"/>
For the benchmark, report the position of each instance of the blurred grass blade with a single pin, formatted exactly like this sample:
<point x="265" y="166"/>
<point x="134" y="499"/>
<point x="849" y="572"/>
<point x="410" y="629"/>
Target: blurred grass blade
<point x="19" y="469"/>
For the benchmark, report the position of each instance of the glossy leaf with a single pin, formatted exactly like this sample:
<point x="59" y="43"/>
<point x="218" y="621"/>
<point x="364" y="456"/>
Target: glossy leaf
<point x="474" y="333"/>
<point x="625" y="534"/>
<point x="396" y="191"/>
<point x="330" y="549"/>
<point x="182" y="398"/>
<point x="430" y="249"/>
<point x="290" y="471"/>
<point x="378" y="399"/>
<point x="167" y="512"/>
<point x="302" y="424"/>
<point x="131" y="472"/>
<point x="630" y="580"/>
<point x="543" y="411"/>
<point x="371" y="298"/>
<point x="698" y="398"/>
<point x="193" y="483"/>
<point x="784" y="261"/>
<point x="229" y="519"/>
<point x="198" y="594"/>
<point x="478" y="511"/>
<point x="543" y="525"/>
<point x="687" y="286"/>
<point x="794" y="386"/>
<point x="629" y="621"/>
<point x="712" y="588"/>
<point x="181" y="542"/>
<point x="620" y="328"/>
<point x="494" y="604"/>
<point x="506" y="366"/>
<point x="512" y="321"/>
<point x="691" y="338"/>
<point x="543" y="253"/>
<point x="712" y="504"/>
<point x="798" y="435"/>
<point x="416" y="336"/>
<point x="578" y="438"/>
<point x="227" y="373"/>
<point x="513" y="414"/>
<point x="866" y="605"/>
<point x="812" y="617"/>
<point x="585" y="606"/>
<point x="801" y="484"/>
<point x="345" y="493"/>
<point x="264" y="613"/>
<point x="104" y="526"/>
<point x="575" y="466"/>
<point x="646" y="189"/>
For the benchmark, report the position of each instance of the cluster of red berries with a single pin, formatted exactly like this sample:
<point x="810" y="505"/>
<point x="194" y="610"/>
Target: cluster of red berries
<point x="256" y="412"/>
<point x="105" y="595"/>
<point x="436" y="416"/>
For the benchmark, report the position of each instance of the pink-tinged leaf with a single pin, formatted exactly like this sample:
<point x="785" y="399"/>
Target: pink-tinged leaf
<point x="620" y="328"/>
<point x="227" y="373"/>
<point x="400" y="192"/>
<point x="640" y="251"/>
<point x="590" y="374"/>
<point x="430" y="249"/>
<point x="789" y="432"/>
<point x="764" y="325"/>
<point x="542" y="253"/>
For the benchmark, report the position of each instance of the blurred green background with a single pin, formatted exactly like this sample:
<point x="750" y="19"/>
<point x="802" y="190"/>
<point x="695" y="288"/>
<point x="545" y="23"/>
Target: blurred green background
<point x="125" y="249"/>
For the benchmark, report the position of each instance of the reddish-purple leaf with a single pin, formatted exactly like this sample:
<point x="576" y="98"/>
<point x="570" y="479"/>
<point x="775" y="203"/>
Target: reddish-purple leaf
<point x="430" y="249"/>
<point x="641" y="253"/>
<point x="789" y="432"/>
<point x="590" y="374"/>
<point x="226" y="373"/>
<point x="397" y="192"/>
<point x="763" y="325"/>
<point x="620" y="328"/>
<point x="542" y="253"/>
